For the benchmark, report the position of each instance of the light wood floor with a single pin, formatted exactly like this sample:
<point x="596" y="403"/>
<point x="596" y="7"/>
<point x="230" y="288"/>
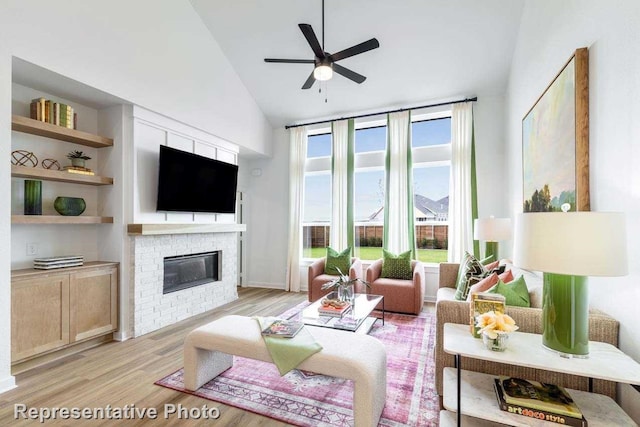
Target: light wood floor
<point x="123" y="373"/>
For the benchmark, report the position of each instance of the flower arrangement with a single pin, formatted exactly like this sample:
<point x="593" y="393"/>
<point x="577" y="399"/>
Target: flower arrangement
<point x="492" y="324"/>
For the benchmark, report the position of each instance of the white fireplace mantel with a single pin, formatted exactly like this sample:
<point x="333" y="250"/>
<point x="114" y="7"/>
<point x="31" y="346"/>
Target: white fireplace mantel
<point x="172" y="228"/>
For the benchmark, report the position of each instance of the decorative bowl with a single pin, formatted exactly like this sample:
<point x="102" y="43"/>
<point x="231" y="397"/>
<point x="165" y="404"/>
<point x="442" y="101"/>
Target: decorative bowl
<point x="69" y="206"/>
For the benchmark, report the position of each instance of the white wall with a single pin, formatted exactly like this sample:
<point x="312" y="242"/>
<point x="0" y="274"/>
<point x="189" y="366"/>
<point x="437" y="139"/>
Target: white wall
<point x="267" y="197"/>
<point x="156" y="54"/>
<point x="550" y="32"/>
<point x="267" y="214"/>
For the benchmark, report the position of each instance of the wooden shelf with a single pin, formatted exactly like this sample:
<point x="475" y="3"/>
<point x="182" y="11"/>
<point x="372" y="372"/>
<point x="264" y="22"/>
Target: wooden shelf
<point x="59" y="176"/>
<point x="168" y="228"/>
<point x="59" y="219"/>
<point x="32" y="272"/>
<point x="36" y="127"/>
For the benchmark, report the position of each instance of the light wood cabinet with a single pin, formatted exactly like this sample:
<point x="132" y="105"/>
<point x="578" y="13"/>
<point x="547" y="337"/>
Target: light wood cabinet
<point x="52" y="310"/>
<point x="40" y="315"/>
<point x="93" y="303"/>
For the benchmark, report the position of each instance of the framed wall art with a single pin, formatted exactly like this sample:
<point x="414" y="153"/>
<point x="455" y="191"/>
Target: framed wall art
<point x="555" y="142"/>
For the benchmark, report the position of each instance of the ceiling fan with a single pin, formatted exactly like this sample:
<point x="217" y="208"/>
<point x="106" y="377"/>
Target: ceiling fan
<point x="325" y="63"/>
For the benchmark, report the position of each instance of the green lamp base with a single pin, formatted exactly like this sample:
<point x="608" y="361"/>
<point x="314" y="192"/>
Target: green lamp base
<point x="565" y="315"/>
<point x="491" y="248"/>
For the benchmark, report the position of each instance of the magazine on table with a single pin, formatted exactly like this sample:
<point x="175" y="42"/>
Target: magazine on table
<point x="282" y="328"/>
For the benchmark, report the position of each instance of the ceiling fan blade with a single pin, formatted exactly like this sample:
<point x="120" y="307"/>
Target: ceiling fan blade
<point x="355" y="50"/>
<point x="312" y="40"/>
<point x="351" y="75"/>
<point x="290" y="61"/>
<point x="310" y="81"/>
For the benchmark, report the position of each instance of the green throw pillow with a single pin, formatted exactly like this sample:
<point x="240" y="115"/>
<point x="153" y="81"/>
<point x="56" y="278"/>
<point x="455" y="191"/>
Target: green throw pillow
<point x="337" y="260"/>
<point x="396" y="266"/>
<point x="471" y="271"/>
<point x="514" y="292"/>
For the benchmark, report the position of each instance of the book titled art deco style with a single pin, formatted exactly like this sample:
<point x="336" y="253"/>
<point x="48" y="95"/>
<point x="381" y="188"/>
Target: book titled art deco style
<point x="542" y="401"/>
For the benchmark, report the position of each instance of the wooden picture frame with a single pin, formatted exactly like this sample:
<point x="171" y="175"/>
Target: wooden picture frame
<point x="555" y="142"/>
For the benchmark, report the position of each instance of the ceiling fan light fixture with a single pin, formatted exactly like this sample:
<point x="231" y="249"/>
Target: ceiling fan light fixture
<point x="323" y="72"/>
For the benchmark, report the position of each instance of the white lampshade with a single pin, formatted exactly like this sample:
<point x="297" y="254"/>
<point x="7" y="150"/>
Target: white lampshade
<point x="572" y="243"/>
<point x="323" y="72"/>
<point x="492" y="229"/>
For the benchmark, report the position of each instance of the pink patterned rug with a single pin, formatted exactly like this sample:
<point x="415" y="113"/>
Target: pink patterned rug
<point x="305" y="399"/>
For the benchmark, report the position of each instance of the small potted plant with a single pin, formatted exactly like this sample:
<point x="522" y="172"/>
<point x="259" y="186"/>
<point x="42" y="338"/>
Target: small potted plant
<point x="495" y="328"/>
<point x="77" y="158"/>
<point x="343" y="285"/>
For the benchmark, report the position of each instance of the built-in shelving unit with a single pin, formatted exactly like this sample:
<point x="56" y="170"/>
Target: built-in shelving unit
<point x="55" y="219"/>
<point x="62" y="311"/>
<point x="59" y="176"/>
<point x="36" y="127"/>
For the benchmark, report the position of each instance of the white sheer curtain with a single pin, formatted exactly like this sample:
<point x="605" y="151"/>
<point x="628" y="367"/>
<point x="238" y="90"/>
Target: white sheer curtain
<point x="297" y="157"/>
<point x="342" y="232"/>
<point x="460" y="189"/>
<point x="398" y="210"/>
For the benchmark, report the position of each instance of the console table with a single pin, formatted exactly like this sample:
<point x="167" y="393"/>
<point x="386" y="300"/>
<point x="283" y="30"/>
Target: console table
<point x="471" y="394"/>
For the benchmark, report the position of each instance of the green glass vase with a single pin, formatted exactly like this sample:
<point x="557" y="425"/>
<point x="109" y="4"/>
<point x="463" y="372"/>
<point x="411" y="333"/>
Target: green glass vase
<point x="32" y="197"/>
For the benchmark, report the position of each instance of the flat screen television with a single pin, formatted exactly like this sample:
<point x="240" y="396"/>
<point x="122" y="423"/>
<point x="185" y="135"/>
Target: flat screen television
<point x="191" y="183"/>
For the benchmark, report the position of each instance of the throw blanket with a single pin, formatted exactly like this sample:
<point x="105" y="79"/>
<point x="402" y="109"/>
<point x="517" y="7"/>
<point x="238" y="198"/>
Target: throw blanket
<point x="287" y="353"/>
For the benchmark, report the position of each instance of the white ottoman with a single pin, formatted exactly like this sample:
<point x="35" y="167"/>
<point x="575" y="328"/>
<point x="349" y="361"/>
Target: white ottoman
<point x="208" y="352"/>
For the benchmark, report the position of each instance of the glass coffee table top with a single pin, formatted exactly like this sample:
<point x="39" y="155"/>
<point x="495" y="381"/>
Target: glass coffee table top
<point x="358" y="319"/>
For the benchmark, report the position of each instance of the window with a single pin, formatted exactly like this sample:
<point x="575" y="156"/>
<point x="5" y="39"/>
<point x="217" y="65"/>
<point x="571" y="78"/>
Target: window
<point x="319" y="145"/>
<point x="431" y="151"/>
<point x="432" y="132"/>
<point x="431" y="142"/>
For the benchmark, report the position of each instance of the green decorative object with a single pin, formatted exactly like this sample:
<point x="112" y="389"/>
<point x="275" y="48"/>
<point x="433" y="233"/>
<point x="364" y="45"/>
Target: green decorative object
<point x="69" y="206"/>
<point x="565" y="314"/>
<point x="32" y="197"/>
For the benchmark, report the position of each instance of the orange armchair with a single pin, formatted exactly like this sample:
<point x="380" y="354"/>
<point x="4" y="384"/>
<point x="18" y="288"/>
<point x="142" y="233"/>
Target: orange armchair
<point x="317" y="278"/>
<point x="401" y="296"/>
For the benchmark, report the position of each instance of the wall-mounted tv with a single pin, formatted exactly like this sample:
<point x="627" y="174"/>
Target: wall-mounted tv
<point x="191" y="183"/>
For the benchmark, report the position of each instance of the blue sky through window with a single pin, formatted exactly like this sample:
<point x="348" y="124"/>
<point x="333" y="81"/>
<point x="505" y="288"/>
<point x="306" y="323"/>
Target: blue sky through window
<point x="431" y="182"/>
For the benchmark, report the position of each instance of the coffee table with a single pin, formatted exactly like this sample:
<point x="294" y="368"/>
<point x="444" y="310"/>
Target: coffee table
<point x="358" y="319"/>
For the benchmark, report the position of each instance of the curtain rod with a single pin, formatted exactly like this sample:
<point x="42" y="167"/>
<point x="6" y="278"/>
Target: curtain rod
<point x="475" y="98"/>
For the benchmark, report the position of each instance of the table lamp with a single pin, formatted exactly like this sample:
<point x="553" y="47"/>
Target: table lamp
<point x="568" y="247"/>
<point x="492" y="230"/>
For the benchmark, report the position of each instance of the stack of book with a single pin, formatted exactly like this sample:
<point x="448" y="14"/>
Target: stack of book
<point x="545" y="402"/>
<point x="58" y="262"/>
<point x="484" y="302"/>
<point x="333" y="309"/>
<point x="55" y="113"/>
<point x="79" y="170"/>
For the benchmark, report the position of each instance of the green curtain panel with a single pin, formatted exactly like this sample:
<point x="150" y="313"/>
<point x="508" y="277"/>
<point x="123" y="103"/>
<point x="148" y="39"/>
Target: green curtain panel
<point x="474" y="187"/>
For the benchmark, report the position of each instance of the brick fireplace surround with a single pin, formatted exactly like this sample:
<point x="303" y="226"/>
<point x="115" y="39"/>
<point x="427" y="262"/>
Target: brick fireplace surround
<point x="150" y="308"/>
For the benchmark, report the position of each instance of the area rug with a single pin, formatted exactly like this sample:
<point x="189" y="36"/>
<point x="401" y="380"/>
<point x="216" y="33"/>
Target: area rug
<point x="311" y="400"/>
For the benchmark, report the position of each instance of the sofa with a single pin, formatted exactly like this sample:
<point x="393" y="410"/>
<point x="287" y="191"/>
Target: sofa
<point x="602" y="327"/>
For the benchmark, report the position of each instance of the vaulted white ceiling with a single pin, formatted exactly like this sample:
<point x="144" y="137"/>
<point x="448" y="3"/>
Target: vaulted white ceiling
<point x="430" y="50"/>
